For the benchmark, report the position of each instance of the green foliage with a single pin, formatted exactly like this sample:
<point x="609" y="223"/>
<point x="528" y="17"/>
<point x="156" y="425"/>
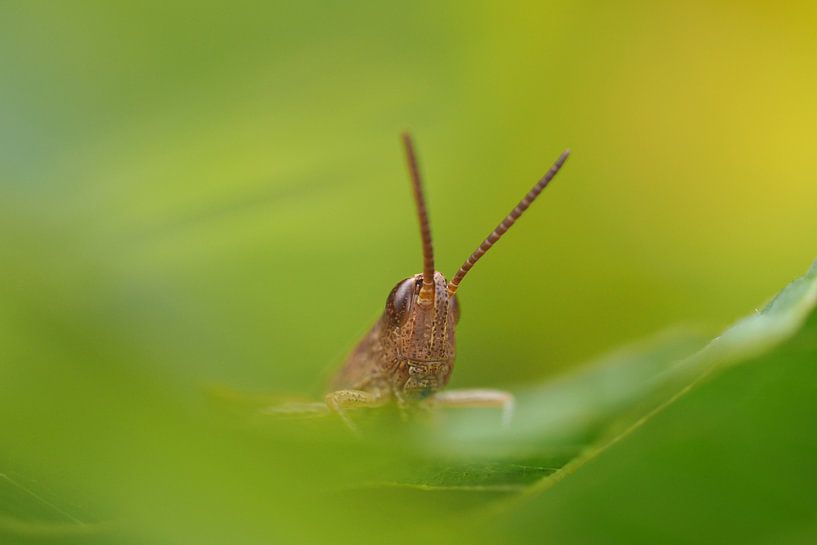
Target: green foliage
<point x="656" y="443"/>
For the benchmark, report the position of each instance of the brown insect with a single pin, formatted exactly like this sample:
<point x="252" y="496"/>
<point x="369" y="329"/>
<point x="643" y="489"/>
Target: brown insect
<point x="409" y="353"/>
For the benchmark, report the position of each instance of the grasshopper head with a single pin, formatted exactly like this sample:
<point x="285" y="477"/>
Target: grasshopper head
<point x="422" y="310"/>
<point x="421" y="332"/>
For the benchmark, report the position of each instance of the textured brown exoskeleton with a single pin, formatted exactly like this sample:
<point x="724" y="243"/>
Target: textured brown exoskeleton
<point x="409" y="354"/>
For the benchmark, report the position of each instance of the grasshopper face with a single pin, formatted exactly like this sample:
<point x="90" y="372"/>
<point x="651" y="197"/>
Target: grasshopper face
<point x="420" y="334"/>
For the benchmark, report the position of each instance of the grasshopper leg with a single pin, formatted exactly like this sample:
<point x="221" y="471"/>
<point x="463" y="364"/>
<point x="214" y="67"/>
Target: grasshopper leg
<point x="340" y="400"/>
<point x="477" y="398"/>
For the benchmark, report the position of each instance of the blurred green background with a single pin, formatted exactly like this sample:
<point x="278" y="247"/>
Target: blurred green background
<point x="209" y="193"/>
<point x="234" y="174"/>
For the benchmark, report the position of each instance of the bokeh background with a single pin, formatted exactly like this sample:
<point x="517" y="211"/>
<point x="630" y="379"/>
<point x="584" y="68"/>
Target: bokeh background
<point x="207" y="193"/>
<point x="234" y="171"/>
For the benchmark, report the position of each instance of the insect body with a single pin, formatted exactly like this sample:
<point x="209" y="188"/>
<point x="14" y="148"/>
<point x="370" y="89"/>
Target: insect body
<point x="408" y="355"/>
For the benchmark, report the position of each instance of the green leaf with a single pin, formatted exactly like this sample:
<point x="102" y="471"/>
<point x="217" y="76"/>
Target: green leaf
<point x="658" y="442"/>
<point x="725" y="460"/>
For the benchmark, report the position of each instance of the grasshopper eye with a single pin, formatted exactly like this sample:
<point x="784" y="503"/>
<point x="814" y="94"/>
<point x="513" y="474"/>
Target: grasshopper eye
<point x="399" y="301"/>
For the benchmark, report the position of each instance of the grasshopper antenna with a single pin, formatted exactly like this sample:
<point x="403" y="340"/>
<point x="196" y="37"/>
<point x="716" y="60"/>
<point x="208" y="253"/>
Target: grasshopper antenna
<point x="506" y="224"/>
<point x="427" y="290"/>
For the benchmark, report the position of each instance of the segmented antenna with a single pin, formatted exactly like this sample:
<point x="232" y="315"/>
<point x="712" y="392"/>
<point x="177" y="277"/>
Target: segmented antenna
<point x="506" y="224"/>
<point x="427" y="290"/>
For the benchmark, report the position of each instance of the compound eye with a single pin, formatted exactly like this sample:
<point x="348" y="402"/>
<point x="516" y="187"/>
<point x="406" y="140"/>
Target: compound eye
<point x="455" y="309"/>
<point x="400" y="300"/>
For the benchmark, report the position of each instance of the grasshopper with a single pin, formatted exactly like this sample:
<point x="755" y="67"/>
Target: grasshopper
<point x="408" y="355"/>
